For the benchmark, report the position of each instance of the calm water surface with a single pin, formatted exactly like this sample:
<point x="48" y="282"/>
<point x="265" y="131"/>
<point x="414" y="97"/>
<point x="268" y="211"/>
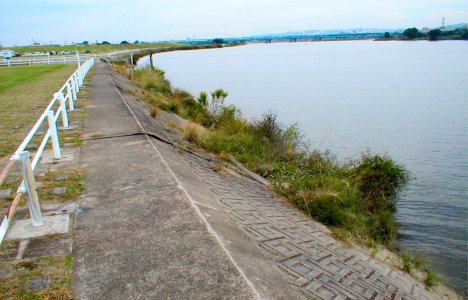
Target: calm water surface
<point x="406" y="99"/>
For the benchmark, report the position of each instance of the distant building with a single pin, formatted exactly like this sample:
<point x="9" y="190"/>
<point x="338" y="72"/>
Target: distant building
<point x="7" y="53"/>
<point x="425" y="30"/>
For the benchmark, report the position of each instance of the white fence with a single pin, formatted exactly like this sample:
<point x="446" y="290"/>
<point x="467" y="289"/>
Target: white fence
<point x="64" y="98"/>
<point x="44" y="60"/>
<point x="55" y="59"/>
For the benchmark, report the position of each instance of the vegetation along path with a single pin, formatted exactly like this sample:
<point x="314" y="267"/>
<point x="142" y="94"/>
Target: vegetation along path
<point x="161" y="221"/>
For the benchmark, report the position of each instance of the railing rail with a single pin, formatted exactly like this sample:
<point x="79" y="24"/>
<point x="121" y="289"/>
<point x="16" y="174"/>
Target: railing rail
<point x="43" y="60"/>
<point x="56" y="59"/>
<point x="67" y="94"/>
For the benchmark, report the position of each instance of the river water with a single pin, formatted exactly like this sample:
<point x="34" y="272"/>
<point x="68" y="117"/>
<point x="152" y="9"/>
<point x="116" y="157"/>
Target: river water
<point x="405" y="99"/>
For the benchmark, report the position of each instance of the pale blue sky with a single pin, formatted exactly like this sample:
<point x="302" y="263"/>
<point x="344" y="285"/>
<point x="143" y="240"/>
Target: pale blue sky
<point x="61" y="21"/>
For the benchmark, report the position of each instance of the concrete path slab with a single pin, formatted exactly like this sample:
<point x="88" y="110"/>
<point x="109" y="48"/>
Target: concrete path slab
<point x="23" y="229"/>
<point x="67" y="155"/>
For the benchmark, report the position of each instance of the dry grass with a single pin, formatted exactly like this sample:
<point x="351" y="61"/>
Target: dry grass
<point x="224" y="156"/>
<point x="194" y="133"/>
<point x="154" y="112"/>
<point x="122" y="69"/>
<point x="216" y="167"/>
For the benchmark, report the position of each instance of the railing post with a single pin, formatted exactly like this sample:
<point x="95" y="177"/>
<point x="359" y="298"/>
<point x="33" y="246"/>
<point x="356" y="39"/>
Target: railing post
<point x="70" y="98"/>
<point x="77" y="83"/>
<point x="53" y="134"/>
<point x="63" y="107"/>
<point x="73" y="86"/>
<point x="78" y="58"/>
<point x="80" y="76"/>
<point x="30" y="187"/>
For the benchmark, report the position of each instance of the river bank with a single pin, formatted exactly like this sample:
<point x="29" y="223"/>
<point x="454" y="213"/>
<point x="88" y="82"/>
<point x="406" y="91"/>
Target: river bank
<point x="403" y="99"/>
<point x="269" y="133"/>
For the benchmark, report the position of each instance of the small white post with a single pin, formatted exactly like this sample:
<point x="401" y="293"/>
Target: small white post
<point x="64" y="60"/>
<point x="63" y="107"/>
<point x="54" y="135"/>
<point x="48" y="58"/>
<point x="73" y="87"/>
<point x="78" y="58"/>
<point x="30" y="188"/>
<point x="77" y="82"/>
<point x="80" y="76"/>
<point x="29" y="62"/>
<point x="71" y="105"/>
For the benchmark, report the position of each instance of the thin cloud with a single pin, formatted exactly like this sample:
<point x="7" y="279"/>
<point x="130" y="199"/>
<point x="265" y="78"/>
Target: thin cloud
<point x="150" y="20"/>
<point x="392" y="15"/>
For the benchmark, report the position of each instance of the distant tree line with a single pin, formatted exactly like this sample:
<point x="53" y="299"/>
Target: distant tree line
<point x="433" y="35"/>
<point x="124" y="42"/>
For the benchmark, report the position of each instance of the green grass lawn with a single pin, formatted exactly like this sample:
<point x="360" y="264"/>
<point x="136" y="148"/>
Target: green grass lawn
<point x="25" y="92"/>
<point x="93" y="48"/>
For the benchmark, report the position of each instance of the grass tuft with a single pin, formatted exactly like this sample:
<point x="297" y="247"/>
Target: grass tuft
<point x="154" y="112"/>
<point x="193" y="133"/>
<point x="411" y="261"/>
<point x="407" y="261"/>
<point x="432" y="279"/>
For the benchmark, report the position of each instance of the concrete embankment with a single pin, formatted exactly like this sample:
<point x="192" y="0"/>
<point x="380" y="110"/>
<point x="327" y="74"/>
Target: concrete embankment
<point x="159" y="221"/>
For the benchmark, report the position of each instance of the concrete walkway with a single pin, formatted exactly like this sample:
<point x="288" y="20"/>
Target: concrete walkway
<point x="137" y="236"/>
<point x="161" y="223"/>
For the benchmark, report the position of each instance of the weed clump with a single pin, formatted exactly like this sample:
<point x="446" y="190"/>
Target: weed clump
<point x="157" y="91"/>
<point x="359" y="196"/>
<point x="411" y="262"/>
<point x="193" y="133"/>
<point x="432" y="279"/>
<point x="154" y="111"/>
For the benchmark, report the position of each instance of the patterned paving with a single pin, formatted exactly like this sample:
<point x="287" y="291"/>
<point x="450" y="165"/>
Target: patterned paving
<point x="301" y="248"/>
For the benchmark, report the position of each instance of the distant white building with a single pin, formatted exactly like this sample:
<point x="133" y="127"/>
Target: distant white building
<point x="7" y="53"/>
<point x="425" y="30"/>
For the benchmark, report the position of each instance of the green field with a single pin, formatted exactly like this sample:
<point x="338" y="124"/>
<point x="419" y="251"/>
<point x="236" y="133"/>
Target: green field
<point x="25" y="92"/>
<point x="92" y="48"/>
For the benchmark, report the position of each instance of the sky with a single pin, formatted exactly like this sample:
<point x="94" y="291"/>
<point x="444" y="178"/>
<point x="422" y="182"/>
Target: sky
<point x="64" y="21"/>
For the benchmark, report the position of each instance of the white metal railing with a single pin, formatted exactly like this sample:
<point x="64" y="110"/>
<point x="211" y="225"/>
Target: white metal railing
<point x="41" y="61"/>
<point x="65" y="95"/>
<point x="55" y="59"/>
